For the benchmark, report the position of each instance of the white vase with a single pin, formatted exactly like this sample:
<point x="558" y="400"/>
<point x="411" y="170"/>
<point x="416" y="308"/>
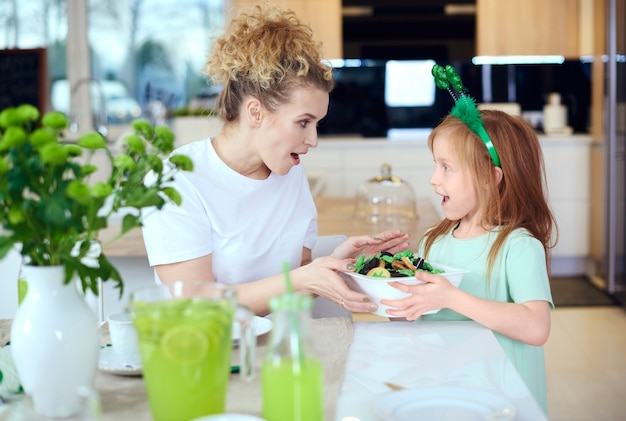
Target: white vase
<point x="55" y="342"/>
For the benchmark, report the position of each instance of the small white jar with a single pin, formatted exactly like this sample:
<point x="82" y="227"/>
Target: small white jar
<point x="554" y="115"/>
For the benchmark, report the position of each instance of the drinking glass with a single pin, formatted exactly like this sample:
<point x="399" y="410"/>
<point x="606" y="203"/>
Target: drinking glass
<point x="185" y="340"/>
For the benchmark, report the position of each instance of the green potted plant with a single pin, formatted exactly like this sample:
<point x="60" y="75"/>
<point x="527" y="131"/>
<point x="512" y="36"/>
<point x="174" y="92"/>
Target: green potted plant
<point x="52" y="213"/>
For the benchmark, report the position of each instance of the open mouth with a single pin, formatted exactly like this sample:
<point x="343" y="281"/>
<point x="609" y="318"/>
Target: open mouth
<point x="295" y="158"/>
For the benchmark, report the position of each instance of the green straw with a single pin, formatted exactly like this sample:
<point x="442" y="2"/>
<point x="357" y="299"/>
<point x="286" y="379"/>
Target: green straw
<point x="286" y="271"/>
<point x="294" y="338"/>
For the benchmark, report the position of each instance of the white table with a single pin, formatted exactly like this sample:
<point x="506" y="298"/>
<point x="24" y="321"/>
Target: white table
<point x="425" y="355"/>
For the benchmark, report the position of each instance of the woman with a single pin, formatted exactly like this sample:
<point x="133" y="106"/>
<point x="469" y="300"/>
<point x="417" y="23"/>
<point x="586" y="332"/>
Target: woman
<point x="246" y="207"/>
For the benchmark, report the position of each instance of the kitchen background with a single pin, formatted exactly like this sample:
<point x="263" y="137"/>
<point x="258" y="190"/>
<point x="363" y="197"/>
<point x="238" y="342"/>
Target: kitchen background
<point x="154" y="50"/>
<point x="134" y="65"/>
<point x="358" y="105"/>
<point x="146" y="58"/>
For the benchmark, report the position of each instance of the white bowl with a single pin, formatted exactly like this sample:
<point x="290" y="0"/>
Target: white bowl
<point x="378" y="288"/>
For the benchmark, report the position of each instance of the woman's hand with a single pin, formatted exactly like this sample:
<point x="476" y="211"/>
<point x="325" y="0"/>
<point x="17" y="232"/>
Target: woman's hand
<point x="392" y="241"/>
<point x="433" y="294"/>
<point x="320" y="277"/>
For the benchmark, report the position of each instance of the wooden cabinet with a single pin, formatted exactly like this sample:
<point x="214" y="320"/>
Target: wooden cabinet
<point x="531" y="27"/>
<point x="324" y="17"/>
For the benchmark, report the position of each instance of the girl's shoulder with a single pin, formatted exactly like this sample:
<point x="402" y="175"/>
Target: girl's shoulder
<point x="521" y="237"/>
<point x="520" y="233"/>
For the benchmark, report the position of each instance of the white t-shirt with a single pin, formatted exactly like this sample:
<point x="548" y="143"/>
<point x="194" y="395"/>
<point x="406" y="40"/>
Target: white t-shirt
<point x="251" y="227"/>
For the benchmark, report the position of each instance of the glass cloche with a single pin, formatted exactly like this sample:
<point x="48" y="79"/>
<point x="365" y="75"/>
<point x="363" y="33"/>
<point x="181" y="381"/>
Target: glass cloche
<point x="386" y="199"/>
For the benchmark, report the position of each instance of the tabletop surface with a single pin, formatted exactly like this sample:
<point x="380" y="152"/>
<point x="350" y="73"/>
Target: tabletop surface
<point x="124" y="397"/>
<point x="358" y="359"/>
<point x="425" y="357"/>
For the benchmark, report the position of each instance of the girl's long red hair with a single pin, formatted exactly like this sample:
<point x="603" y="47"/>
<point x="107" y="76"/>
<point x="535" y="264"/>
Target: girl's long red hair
<point x="520" y="199"/>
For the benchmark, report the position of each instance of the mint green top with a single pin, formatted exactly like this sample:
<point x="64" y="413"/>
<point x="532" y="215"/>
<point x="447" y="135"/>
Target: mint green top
<point x="519" y="275"/>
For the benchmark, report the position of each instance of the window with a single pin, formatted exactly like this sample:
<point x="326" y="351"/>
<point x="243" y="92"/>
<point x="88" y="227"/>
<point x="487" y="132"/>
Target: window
<point x="409" y="83"/>
<point x="144" y="49"/>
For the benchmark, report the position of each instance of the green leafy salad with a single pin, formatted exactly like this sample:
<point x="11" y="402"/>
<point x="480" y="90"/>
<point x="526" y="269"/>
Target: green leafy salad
<point x="387" y="265"/>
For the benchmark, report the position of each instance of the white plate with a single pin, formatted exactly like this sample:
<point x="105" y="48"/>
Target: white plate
<point x="443" y="404"/>
<point x="261" y="326"/>
<point x="110" y="363"/>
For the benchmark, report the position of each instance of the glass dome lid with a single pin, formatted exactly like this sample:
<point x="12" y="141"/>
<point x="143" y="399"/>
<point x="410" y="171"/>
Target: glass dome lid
<point x="386" y="199"/>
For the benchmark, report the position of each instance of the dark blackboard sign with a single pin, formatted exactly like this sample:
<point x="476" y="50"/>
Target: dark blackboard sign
<point x="23" y="78"/>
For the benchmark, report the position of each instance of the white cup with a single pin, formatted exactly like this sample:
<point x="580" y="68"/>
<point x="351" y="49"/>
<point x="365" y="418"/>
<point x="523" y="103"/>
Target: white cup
<point x="124" y="338"/>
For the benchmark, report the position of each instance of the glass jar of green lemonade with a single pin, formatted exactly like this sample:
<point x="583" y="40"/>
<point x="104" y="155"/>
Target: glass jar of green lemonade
<point x="184" y="334"/>
<point x="292" y="378"/>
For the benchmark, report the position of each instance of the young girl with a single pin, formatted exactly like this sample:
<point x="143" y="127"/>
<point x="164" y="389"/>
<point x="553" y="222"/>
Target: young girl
<point x="498" y="226"/>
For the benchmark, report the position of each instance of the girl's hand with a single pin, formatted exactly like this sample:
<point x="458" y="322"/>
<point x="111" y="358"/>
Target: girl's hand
<point x="435" y="293"/>
<point x="392" y="241"/>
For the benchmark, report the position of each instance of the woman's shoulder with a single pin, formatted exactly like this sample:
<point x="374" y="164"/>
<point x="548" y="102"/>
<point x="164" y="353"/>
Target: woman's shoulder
<point x="194" y="148"/>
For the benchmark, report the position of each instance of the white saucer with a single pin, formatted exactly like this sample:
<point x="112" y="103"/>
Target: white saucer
<point x="110" y="363"/>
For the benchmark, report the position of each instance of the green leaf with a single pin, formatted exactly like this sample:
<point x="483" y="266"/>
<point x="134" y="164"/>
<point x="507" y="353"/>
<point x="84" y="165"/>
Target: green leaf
<point x="173" y="195"/>
<point x="164" y="139"/>
<point x="42" y="136"/>
<point x="147" y="199"/>
<point x="129" y="222"/>
<point x="55" y="211"/>
<point x="73" y="150"/>
<point x="135" y="144"/>
<point x="182" y="162"/>
<point x="78" y="191"/>
<point x="13" y="137"/>
<point x="4" y="167"/>
<point x="55" y="120"/>
<point x="124" y="162"/>
<point x="10" y="117"/>
<point x="92" y="141"/>
<point x="87" y="169"/>
<point x="16" y="215"/>
<point x="53" y="154"/>
<point x="101" y="189"/>
<point x="28" y="112"/>
<point x="155" y="163"/>
<point x="144" y="128"/>
<point x="112" y="273"/>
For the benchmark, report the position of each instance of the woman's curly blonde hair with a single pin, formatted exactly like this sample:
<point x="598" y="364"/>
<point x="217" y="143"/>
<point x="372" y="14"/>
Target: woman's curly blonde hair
<point x="265" y="53"/>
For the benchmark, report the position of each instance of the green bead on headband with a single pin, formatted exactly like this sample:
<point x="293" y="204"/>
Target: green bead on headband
<point x="465" y="106"/>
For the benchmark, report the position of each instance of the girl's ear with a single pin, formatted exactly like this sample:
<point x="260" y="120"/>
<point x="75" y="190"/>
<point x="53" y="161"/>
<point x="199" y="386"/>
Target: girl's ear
<point x="253" y="112"/>
<point x="497" y="173"/>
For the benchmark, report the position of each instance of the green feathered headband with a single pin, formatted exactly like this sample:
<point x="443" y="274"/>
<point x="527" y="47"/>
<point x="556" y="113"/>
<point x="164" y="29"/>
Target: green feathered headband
<point x="465" y="107"/>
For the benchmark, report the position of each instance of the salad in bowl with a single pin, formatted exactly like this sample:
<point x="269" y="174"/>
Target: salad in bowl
<point x="373" y="274"/>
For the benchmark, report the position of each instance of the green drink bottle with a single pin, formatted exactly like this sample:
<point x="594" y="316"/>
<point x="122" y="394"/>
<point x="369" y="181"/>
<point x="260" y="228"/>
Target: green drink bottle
<point x="292" y="378"/>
